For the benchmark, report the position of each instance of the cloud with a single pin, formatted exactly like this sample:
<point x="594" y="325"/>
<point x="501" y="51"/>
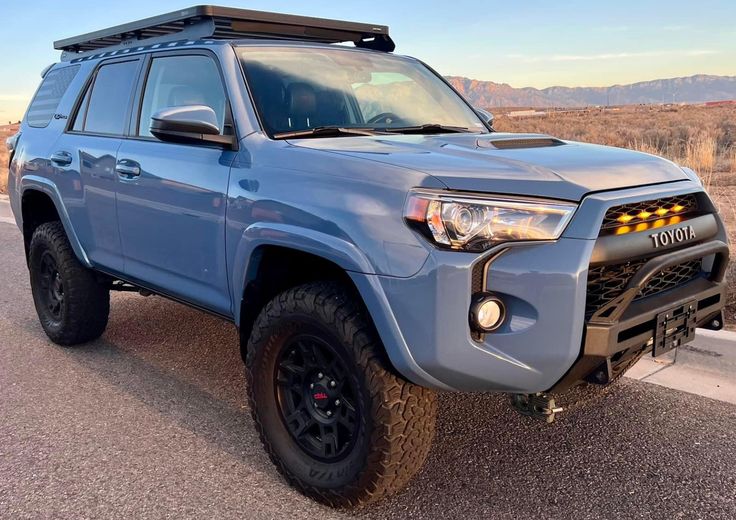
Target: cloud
<point x="610" y="55"/>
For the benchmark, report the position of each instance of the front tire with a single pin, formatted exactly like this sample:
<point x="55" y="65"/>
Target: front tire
<point x="336" y="421"/>
<point x="72" y="305"/>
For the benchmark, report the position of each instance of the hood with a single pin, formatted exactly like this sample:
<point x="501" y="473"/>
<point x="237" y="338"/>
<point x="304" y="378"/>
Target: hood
<point x="518" y="164"/>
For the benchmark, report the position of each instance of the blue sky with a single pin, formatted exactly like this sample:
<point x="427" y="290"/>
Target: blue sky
<point x="530" y="43"/>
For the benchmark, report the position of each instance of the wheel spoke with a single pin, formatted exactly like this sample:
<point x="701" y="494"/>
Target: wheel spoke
<point x="318" y="355"/>
<point x="303" y="422"/>
<point x="292" y="368"/>
<point x="347" y="403"/>
<point x="290" y="384"/>
<point x="306" y="354"/>
<point x="329" y="440"/>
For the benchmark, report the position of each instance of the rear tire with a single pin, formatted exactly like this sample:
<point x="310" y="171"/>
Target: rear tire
<point x="72" y="304"/>
<point x="336" y="421"/>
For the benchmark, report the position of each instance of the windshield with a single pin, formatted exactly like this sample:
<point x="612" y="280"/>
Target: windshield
<point x="302" y="88"/>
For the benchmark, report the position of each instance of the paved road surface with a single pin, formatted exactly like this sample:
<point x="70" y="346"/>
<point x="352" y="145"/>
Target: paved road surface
<point x="150" y="422"/>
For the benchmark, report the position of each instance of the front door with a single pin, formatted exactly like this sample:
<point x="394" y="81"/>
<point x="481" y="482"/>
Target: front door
<point x="172" y="197"/>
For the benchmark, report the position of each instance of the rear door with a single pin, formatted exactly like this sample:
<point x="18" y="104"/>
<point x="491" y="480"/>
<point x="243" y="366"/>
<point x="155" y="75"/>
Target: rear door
<point x="172" y="205"/>
<point x="84" y="158"/>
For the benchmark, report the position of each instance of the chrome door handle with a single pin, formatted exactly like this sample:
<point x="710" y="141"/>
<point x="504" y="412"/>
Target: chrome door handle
<point x="127" y="168"/>
<point x="61" y="158"/>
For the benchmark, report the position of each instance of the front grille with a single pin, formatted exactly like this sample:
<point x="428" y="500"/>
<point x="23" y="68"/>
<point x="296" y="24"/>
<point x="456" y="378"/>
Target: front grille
<point x="627" y="216"/>
<point x="606" y="283"/>
<point x="673" y="276"/>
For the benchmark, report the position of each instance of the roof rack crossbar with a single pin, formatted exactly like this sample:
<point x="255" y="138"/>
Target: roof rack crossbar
<point x="212" y="22"/>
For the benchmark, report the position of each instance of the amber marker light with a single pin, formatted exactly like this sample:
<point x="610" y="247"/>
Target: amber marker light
<point x="662" y="212"/>
<point x="644" y="215"/>
<point x="677" y="208"/>
<point x="417" y="209"/>
<point x="643" y="226"/>
<point x="624" y="219"/>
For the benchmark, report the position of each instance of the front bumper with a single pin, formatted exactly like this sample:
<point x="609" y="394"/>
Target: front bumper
<point x="629" y="326"/>
<point x="546" y="343"/>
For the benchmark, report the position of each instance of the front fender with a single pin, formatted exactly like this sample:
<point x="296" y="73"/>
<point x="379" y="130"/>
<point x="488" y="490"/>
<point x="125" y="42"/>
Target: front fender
<point x="44" y="185"/>
<point x="338" y="251"/>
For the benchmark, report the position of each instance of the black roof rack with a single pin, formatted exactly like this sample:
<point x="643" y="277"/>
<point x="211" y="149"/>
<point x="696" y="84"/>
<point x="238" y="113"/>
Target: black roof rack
<point x="214" y="22"/>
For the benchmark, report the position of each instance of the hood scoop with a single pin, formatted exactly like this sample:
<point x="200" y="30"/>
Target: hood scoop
<point x="519" y="142"/>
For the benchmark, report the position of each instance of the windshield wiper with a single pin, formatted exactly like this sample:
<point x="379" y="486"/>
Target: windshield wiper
<point x="432" y="128"/>
<point x="326" y="131"/>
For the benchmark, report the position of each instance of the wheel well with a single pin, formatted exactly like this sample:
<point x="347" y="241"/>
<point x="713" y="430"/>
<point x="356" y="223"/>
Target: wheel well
<point x="37" y="209"/>
<point x="274" y="269"/>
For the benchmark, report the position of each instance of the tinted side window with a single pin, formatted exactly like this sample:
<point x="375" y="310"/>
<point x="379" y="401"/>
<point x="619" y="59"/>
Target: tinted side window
<point x="48" y="96"/>
<point x="82" y="111"/>
<point x="108" y="104"/>
<point x="182" y="80"/>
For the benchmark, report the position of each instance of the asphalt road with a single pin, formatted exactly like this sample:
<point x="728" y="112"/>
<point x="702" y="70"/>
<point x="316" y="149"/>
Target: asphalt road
<point x="151" y="422"/>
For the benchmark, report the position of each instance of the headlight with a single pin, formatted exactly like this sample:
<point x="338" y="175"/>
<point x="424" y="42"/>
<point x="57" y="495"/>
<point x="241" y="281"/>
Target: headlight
<point x="476" y="224"/>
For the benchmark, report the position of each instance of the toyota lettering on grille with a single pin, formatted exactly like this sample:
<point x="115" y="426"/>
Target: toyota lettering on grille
<point x="672" y="236"/>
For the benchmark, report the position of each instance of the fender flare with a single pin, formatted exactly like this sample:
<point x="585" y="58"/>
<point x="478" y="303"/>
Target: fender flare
<point x="338" y="251"/>
<point x="348" y="257"/>
<point x="45" y="186"/>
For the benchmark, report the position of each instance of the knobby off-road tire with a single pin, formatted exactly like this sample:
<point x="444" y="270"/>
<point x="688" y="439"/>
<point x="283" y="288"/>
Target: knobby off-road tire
<point x="72" y="305"/>
<point x="319" y="329"/>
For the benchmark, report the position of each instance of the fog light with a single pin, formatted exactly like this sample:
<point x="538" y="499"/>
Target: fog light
<point x="487" y="312"/>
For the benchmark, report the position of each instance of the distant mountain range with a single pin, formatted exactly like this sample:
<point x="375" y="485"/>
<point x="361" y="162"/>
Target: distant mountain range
<point x="693" y="89"/>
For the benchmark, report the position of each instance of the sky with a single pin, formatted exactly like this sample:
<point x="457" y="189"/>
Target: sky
<point x="530" y="43"/>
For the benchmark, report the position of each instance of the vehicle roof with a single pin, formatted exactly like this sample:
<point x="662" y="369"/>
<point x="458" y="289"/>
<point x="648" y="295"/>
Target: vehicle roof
<point x="204" y="22"/>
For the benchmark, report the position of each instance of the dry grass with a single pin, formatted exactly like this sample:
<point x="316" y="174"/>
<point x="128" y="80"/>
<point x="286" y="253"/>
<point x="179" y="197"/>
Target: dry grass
<point x="703" y="138"/>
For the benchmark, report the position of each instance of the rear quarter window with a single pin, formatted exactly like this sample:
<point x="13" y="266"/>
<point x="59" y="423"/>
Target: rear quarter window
<point x="49" y="94"/>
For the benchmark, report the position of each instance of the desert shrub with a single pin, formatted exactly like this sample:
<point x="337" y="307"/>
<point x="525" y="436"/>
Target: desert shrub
<point x="700" y="137"/>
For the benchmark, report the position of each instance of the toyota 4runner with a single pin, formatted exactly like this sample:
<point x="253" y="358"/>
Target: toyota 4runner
<point x="370" y="235"/>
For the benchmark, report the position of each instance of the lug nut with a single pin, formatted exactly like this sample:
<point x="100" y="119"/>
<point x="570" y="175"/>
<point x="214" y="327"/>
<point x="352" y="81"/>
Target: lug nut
<point x="311" y="386"/>
<point x="320" y="375"/>
<point x="329" y="413"/>
<point x="333" y="384"/>
<point x="337" y="402"/>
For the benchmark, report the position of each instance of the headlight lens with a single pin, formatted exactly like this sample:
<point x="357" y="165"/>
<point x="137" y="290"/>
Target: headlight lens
<point x="475" y="224"/>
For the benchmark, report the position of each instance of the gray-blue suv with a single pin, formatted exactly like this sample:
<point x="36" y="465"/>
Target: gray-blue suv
<point x="371" y="236"/>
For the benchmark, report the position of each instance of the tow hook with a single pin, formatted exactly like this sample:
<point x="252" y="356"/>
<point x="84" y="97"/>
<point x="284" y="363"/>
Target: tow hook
<point x="539" y="406"/>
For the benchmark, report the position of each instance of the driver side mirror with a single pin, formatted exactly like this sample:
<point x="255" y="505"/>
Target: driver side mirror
<point x="485" y="115"/>
<point x="190" y="124"/>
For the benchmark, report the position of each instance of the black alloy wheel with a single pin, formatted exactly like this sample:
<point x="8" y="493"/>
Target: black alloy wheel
<point x="317" y="398"/>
